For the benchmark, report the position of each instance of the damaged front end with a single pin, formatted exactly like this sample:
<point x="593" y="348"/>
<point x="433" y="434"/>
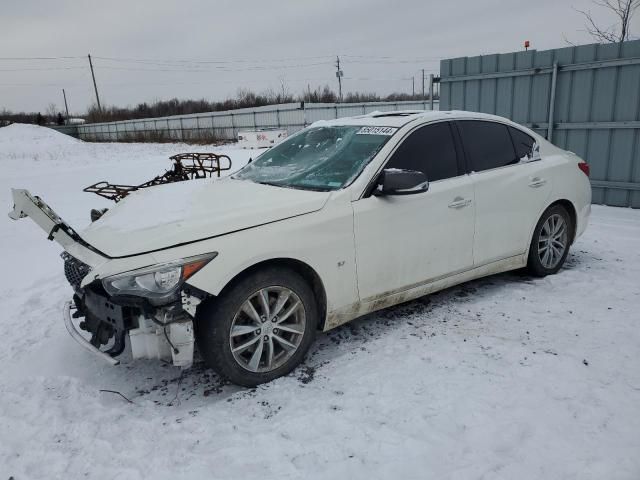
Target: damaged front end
<point x="152" y="305"/>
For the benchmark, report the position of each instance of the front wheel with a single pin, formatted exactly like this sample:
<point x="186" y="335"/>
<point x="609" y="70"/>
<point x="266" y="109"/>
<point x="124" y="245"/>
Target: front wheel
<point x="259" y="329"/>
<point x="550" y="243"/>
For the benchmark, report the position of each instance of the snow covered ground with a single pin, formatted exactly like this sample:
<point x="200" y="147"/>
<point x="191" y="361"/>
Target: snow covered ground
<point x="506" y="377"/>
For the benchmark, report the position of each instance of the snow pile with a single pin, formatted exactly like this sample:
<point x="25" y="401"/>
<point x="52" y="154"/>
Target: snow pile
<point x="22" y="133"/>
<point x="505" y="377"/>
<point x="23" y="141"/>
<point x="42" y="145"/>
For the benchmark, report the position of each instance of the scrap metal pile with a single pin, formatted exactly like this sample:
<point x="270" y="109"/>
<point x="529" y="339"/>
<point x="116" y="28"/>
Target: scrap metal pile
<point x="186" y="166"/>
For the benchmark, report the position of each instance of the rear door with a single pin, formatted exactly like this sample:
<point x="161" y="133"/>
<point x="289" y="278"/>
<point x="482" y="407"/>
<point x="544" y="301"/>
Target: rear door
<point x="511" y="187"/>
<point x="403" y="241"/>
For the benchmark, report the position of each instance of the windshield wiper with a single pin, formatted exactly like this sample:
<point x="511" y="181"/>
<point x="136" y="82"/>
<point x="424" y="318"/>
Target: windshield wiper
<point x="295" y="187"/>
<point x="313" y="189"/>
<point x="269" y="183"/>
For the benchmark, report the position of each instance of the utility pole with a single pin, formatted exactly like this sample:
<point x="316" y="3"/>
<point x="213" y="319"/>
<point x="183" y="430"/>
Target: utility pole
<point x="95" y="87"/>
<point x="339" y="74"/>
<point x="423" y="97"/>
<point x="413" y="87"/>
<point x="65" y="104"/>
<point x="431" y="91"/>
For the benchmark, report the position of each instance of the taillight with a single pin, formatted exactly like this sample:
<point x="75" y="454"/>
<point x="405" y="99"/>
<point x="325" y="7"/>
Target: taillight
<point x="584" y="166"/>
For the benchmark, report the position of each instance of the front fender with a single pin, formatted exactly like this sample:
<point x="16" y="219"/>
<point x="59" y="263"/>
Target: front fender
<point x="322" y="240"/>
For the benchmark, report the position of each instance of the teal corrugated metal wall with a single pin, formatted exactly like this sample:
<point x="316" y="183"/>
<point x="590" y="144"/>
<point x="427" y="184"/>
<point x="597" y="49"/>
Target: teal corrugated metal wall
<point x="596" y="106"/>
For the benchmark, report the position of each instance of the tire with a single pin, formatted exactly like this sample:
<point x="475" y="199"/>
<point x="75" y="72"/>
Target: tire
<point x="547" y="253"/>
<point x="267" y="337"/>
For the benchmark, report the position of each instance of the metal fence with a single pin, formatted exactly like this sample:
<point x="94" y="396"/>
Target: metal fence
<point x="585" y="99"/>
<point x="225" y="125"/>
<point x="71" y="130"/>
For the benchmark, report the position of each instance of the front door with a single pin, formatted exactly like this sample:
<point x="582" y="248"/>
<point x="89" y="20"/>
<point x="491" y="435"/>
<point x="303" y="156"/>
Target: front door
<point x="404" y="241"/>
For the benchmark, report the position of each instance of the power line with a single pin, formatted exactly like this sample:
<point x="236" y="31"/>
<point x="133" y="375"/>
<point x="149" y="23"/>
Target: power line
<point x="254" y="81"/>
<point x="187" y="66"/>
<point x="37" y="58"/>
<point x="274" y="62"/>
<point x="234" y="82"/>
<point x="174" y="68"/>
<point x="393" y="57"/>
<point x="353" y="59"/>
<point x="214" y="69"/>
<point x="195" y="61"/>
<point x="394" y="62"/>
<point x="56" y="85"/>
<point x="377" y="79"/>
<point x="29" y="69"/>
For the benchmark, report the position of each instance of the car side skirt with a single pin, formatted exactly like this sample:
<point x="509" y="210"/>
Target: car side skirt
<point x="389" y="299"/>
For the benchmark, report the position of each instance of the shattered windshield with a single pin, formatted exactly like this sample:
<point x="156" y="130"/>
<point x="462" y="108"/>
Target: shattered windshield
<point x="319" y="158"/>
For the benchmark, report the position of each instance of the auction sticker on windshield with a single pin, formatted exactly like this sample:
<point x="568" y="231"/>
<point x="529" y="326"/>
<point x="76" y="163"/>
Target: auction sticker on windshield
<point x="376" y="131"/>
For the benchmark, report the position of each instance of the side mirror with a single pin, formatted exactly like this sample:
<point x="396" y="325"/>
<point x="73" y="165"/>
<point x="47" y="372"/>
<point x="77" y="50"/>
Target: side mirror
<point x="393" y="181"/>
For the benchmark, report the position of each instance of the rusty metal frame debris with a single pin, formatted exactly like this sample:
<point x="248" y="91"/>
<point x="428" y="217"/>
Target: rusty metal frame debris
<point x="186" y="166"/>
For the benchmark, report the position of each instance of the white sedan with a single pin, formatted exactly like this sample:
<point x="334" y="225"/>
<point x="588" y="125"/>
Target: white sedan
<point x="341" y="219"/>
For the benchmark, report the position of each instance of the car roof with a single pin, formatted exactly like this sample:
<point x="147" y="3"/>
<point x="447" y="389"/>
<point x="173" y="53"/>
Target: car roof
<point x="399" y="118"/>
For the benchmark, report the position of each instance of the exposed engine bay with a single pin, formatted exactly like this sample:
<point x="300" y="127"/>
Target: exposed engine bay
<point x="163" y="332"/>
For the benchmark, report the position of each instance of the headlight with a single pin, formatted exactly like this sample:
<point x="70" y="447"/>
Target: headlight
<point x="158" y="282"/>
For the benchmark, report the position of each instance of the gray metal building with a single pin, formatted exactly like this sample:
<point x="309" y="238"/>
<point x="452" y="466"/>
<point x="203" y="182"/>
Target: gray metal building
<point x="585" y="99"/>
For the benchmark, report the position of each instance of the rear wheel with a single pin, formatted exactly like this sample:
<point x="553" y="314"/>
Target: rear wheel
<point x="259" y="329"/>
<point x="550" y="243"/>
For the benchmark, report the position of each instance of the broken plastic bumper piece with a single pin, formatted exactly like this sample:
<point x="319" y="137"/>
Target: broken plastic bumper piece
<point x="75" y="334"/>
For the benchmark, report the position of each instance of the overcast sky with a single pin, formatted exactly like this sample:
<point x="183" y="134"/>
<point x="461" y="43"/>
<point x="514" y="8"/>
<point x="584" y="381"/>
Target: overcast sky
<point x="148" y="49"/>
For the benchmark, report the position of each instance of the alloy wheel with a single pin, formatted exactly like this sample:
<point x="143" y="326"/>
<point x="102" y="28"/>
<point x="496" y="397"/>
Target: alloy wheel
<point x="267" y="329"/>
<point x="552" y="241"/>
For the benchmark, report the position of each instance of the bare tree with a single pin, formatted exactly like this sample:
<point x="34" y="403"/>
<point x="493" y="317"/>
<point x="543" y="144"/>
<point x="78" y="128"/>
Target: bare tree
<point x="284" y="89"/>
<point x="619" y="32"/>
<point x="52" y="110"/>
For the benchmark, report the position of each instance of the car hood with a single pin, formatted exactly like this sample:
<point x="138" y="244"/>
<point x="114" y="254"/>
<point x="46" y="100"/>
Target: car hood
<point x="167" y="215"/>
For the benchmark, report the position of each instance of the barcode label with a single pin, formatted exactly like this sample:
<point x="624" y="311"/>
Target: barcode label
<point x="376" y="131"/>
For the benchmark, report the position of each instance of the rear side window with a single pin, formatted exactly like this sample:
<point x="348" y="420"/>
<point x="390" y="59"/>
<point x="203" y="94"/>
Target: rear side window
<point x="526" y="148"/>
<point x="430" y="150"/>
<point x="487" y="145"/>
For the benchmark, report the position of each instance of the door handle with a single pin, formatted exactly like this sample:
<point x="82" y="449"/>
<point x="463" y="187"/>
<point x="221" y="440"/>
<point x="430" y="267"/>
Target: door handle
<point x="460" y="202"/>
<point x="537" y="182"/>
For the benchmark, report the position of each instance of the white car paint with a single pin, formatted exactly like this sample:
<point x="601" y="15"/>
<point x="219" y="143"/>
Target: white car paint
<point x="154" y="218"/>
<point x="405" y="240"/>
<point x="507" y="200"/>
<point x="368" y="252"/>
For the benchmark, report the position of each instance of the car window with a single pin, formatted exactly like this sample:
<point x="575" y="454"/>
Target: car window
<point x="526" y="147"/>
<point x="487" y="145"/>
<point x="430" y="150"/>
<point x="318" y="158"/>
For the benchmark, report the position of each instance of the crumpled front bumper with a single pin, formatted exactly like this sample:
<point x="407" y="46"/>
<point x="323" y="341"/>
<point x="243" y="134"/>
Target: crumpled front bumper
<point x="164" y="333"/>
<point x="75" y="334"/>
